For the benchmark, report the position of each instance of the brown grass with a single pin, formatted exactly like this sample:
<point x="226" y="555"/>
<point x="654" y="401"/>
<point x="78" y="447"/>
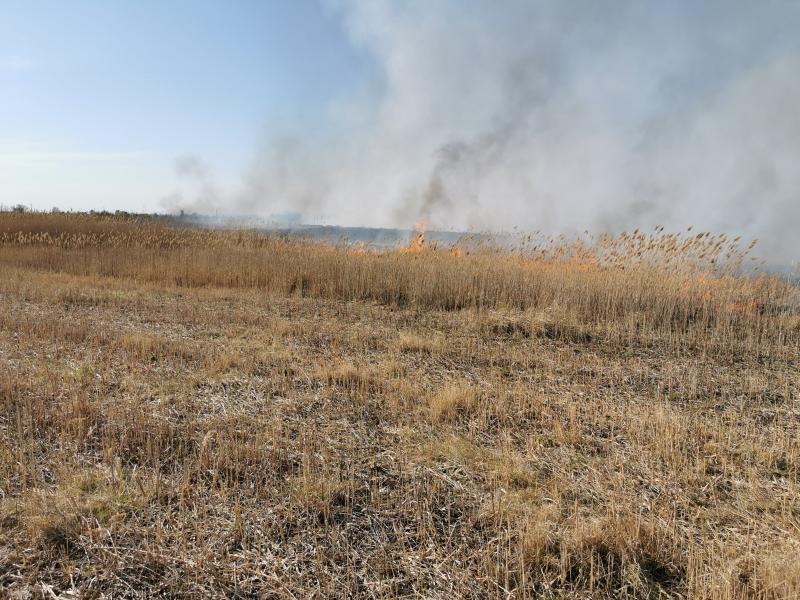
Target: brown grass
<point x="192" y="413"/>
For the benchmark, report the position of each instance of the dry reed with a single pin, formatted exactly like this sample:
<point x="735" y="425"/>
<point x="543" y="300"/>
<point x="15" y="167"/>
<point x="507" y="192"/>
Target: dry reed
<point x="197" y="413"/>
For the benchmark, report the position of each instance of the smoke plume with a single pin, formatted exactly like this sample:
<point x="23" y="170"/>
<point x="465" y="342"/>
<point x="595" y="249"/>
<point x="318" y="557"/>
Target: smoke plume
<point x="557" y="115"/>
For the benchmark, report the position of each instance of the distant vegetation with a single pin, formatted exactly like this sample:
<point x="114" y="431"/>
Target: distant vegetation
<point x="211" y="412"/>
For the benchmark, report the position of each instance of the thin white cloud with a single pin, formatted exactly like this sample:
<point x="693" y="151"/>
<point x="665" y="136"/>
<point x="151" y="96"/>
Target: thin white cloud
<point x="16" y="63"/>
<point x="22" y="158"/>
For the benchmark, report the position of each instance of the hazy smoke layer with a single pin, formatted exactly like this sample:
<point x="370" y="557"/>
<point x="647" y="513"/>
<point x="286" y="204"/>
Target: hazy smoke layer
<point x="559" y="115"/>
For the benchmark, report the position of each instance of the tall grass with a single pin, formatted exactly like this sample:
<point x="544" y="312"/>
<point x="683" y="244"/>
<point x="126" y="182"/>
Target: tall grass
<point x="208" y="413"/>
<point x="663" y="281"/>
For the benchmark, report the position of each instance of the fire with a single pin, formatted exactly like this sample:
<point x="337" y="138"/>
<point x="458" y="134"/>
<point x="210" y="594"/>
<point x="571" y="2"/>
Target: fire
<point x="747" y="307"/>
<point x="713" y="290"/>
<point x="418" y="243"/>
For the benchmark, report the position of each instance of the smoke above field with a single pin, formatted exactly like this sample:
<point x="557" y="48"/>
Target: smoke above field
<point x="554" y="115"/>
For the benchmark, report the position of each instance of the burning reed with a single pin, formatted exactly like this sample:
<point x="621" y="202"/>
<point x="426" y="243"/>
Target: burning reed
<point x="196" y="413"/>
<point x="670" y="282"/>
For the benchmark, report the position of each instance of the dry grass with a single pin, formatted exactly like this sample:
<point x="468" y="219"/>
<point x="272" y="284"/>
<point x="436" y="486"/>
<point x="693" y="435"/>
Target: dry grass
<point x="452" y="400"/>
<point x="189" y="413"/>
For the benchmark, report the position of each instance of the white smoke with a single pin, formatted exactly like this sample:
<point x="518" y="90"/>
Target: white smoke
<point x="558" y="115"/>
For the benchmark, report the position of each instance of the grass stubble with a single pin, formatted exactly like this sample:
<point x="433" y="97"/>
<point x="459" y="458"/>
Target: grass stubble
<point x="195" y="413"/>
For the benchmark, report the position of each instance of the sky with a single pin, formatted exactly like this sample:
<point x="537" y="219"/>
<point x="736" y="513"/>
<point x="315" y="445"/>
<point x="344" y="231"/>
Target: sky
<point x="557" y="115"/>
<point x="99" y="99"/>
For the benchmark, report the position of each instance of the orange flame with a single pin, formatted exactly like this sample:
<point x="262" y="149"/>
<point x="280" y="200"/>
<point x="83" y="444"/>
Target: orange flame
<point x="418" y="243"/>
<point x="746" y="307"/>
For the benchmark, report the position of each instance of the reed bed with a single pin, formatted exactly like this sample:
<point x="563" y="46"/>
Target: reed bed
<point x="665" y="281"/>
<point x="213" y="413"/>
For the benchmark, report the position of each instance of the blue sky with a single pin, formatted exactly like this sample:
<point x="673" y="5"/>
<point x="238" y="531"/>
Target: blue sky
<point x="98" y="98"/>
<point x="559" y="115"/>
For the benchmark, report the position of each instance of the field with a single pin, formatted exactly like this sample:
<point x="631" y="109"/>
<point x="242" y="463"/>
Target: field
<point x="197" y="413"/>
